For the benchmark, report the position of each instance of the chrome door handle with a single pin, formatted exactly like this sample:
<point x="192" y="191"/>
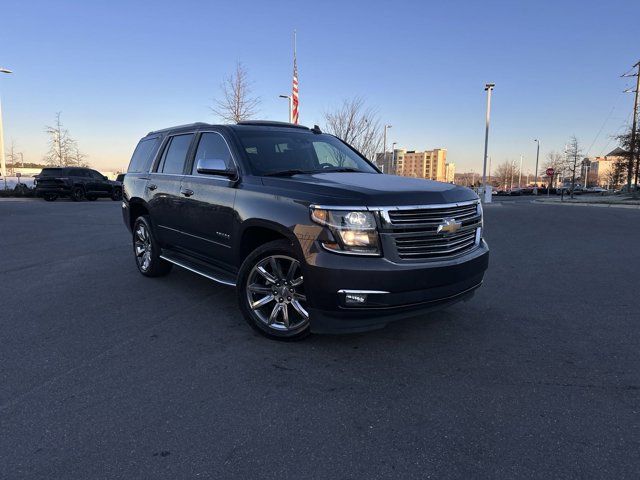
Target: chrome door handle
<point x="186" y="192"/>
<point x="152" y="186"/>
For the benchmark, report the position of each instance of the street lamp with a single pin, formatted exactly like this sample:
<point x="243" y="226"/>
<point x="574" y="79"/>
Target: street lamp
<point x="384" y="156"/>
<point x="3" y="165"/>
<point x="288" y="97"/>
<point x="392" y="166"/>
<point x="535" y="188"/>
<point x="487" y="193"/>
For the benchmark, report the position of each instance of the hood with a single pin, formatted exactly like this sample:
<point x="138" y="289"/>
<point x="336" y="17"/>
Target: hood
<point x="368" y="189"/>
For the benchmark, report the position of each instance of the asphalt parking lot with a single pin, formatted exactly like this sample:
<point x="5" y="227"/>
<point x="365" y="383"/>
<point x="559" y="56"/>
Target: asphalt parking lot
<point x="107" y="374"/>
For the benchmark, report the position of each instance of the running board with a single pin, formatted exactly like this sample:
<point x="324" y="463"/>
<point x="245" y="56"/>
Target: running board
<point x="195" y="266"/>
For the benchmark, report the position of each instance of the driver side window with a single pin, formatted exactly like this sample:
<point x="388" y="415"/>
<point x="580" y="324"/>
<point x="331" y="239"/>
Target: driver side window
<point x="329" y="155"/>
<point x="212" y="147"/>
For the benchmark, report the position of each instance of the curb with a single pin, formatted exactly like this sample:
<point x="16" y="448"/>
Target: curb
<point x="586" y="204"/>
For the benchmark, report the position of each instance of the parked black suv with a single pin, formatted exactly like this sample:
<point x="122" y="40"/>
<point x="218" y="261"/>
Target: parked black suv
<point x="313" y="236"/>
<point x="75" y="182"/>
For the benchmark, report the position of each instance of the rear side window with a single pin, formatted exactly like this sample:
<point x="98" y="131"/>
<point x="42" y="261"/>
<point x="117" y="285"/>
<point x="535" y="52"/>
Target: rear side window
<point x="143" y="155"/>
<point x="51" y="172"/>
<point x="175" y="154"/>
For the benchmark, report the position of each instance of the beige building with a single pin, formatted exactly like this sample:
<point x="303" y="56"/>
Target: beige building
<point x="450" y="172"/>
<point x="602" y="168"/>
<point x="430" y="164"/>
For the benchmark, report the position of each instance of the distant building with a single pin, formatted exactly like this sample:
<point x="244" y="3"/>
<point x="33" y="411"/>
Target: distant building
<point x="430" y="164"/>
<point x="450" y="172"/>
<point x="602" y="168"/>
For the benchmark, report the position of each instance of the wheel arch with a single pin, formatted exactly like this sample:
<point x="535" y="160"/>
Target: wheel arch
<point x="256" y="232"/>
<point x="137" y="207"/>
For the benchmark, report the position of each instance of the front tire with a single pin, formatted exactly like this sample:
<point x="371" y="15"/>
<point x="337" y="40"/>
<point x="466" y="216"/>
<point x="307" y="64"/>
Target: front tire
<point x="147" y="251"/>
<point x="77" y="194"/>
<point x="271" y="292"/>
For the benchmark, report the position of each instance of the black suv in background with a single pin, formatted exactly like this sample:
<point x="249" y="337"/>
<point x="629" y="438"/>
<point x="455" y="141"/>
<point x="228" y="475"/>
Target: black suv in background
<point x="311" y="234"/>
<point x="76" y="183"/>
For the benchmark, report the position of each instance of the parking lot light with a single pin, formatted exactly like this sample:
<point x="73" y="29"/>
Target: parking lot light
<point x="3" y="166"/>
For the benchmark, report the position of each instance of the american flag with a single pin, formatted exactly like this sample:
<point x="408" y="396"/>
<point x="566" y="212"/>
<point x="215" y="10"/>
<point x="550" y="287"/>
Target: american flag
<point x="294" y="93"/>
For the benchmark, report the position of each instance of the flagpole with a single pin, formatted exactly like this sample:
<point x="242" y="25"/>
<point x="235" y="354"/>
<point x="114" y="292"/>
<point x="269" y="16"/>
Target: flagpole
<point x="294" y="90"/>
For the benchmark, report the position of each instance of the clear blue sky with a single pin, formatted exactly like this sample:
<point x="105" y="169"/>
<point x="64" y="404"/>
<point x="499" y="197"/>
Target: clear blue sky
<point x="117" y="69"/>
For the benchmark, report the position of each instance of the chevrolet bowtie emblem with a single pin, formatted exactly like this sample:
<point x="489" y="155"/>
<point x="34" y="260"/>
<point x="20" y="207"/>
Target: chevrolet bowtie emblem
<point x="449" y="225"/>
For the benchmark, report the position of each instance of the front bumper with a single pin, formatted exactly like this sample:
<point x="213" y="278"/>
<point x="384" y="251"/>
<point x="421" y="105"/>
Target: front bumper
<point x="403" y="289"/>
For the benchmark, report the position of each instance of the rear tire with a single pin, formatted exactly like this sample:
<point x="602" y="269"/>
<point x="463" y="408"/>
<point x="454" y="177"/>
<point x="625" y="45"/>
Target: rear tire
<point x="77" y="194"/>
<point x="271" y="292"/>
<point x="116" y="194"/>
<point x="146" y="250"/>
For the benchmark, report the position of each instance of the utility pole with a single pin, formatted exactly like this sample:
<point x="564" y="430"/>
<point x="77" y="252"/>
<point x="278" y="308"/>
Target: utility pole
<point x="633" y="128"/>
<point x="487" y="193"/>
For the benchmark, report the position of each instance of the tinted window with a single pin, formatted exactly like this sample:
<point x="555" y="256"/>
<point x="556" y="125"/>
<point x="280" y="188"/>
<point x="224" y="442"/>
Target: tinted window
<point x="51" y="172"/>
<point x="76" y="172"/>
<point x="96" y="175"/>
<point x="212" y="147"/>
<point x="175" y="154"/>
<point x="279" y="150"/>
<point x="143" y="155"/>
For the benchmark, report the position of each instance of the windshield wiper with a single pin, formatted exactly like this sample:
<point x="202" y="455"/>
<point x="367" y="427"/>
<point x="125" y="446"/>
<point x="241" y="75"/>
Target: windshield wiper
<point x="341" y="169"/>
<point x="286" y="173"/>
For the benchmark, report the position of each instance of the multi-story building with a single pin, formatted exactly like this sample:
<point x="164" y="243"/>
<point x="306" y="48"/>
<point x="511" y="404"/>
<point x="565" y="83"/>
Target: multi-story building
<point x="450" y="172"/>
<point x="430" y="164"/>
<point x="602" y="168"/>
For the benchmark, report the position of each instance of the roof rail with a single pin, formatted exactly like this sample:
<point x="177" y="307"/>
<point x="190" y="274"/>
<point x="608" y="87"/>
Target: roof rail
<point x="178" y="127"/>
<point x="271" y="123"/>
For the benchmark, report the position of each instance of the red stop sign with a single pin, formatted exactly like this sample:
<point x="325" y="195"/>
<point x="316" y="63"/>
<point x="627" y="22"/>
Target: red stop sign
<point x="550" y="171"/>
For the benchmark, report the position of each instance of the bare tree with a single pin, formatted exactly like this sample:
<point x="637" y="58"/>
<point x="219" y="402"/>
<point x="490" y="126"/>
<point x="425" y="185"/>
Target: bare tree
<point x="556" y="161"/>
<point x="505" y="173"/>
<point x="572" y="160"/>
<point x="356" y="124"/>
<point x="236" y="103"/>
<point x="12" y="157"/>
<point x="63" y="150"/>
<point x="624" y="141"/>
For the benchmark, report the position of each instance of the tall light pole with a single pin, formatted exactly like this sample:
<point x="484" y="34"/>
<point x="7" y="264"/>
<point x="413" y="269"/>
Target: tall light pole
<point x="288" y="97"/>
<point x="392" y="166"/>
<point x="3" y="165"/>
<point x="487" y="193"/>
<point x="535" y="188"/>
<point x="384" y="155"/>
<point x="520" y="174"/>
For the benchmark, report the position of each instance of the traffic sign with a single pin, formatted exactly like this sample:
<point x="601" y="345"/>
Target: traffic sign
<point x="550" y="172"/>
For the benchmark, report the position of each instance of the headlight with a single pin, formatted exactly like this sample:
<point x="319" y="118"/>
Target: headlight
<point x="353" y="232"/>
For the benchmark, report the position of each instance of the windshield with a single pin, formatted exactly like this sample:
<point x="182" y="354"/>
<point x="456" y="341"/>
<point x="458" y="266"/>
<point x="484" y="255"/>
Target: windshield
<point x="290" y="152"/>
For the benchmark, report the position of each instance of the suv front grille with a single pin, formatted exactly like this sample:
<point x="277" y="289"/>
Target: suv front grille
<point x="415" y="230"/>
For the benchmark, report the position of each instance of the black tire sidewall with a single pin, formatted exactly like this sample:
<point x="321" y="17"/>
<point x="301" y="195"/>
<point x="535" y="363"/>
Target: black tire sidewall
<point x="75" y="196"/>
<point x="277" y="247"/>
<point x="158" y="266"/>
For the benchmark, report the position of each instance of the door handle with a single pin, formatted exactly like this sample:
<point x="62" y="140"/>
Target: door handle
<point x="152" y="186"/>
<point x="186" y="192"/>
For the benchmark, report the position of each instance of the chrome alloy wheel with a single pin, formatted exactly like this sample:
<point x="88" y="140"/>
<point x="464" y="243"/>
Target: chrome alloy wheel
<point x="275" y="292"/>
<point x="142" y="247"/>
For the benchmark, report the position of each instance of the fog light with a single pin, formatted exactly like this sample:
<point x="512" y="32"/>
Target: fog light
<point x="355" y="298"/>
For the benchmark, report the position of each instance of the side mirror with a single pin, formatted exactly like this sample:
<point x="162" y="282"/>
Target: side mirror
<point x="214" y="166"/>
